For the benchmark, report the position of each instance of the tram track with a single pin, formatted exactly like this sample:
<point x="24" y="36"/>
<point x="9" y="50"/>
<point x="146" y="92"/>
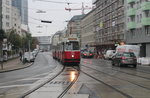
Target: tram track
<point x="122" y="93"/>
<point x="131" y="74"/>
<point x="70" y="85"/>
<point x="42" y="84"/>
<point x="117" y="77"/>
<point x="62" y="93"/>
<point x="139" y="70"/>
<point x="133" y="69"/>
<point x="119" y="70"/>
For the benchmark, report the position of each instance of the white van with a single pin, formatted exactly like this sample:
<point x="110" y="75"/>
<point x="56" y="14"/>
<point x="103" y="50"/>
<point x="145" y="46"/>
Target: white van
<point x="109" y="54"/>
<point x="129" y="48"/>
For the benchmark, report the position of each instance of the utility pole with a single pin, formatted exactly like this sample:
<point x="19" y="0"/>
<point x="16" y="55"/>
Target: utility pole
<point x="1" y="46"/>
<point x="83" y="8"/>
<point x="29" y="49"/>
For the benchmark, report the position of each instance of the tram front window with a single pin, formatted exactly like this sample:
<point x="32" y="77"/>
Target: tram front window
<point x="72" y="46"/>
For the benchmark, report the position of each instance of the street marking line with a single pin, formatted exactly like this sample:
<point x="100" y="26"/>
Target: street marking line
<point x="29" y="78"/>
<point x="15" y="86"/>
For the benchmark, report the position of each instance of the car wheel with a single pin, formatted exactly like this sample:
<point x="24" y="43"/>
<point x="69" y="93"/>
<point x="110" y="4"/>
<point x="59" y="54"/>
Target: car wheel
<point x="113" y="63"/>
<point x="134" y="66"/>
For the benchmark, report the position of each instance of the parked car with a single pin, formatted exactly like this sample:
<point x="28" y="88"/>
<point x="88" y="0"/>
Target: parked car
<point x="28" y="57"/>
<point x="109" y="54"/>
<point x="124" y="58"/>
<point x="35" y="52"/>
<point x="87" y="54"/>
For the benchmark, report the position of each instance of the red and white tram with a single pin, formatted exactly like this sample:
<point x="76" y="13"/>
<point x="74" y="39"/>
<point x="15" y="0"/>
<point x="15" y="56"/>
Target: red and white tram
<point x="67" y="51"/>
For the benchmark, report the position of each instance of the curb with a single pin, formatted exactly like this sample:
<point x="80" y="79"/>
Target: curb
<point x="17" y="68"/>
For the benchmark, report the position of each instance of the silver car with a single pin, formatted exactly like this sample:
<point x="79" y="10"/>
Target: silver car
<point x="28" y="57"/>
<point x="124" y="58"/>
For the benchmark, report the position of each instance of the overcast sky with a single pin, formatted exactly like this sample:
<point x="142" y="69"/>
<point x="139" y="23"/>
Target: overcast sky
<point x="55" y="12"/>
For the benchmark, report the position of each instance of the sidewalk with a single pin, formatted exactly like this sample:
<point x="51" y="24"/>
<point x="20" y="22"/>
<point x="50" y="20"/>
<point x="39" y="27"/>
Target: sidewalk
<point x="13" y="64"/>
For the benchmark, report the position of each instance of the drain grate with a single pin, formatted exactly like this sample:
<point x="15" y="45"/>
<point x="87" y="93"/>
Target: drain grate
<point x="60" y="82"/>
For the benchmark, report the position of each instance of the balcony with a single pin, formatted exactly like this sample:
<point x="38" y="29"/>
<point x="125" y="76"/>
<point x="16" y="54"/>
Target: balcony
<point x="131" y="25"/>
<point x="131" y="12"/>
<point x="145" y="6"/>
<point x="146" y="21"/>
<point x="131" y="1"/>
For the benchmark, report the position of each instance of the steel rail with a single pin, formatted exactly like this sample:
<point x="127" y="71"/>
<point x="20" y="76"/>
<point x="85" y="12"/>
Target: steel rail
<point x="42" y="84"/>
<point x="117" y="77"/>
<point x="70" y="85"/>
<point x="129" y="73"/>
<point x="124" y="94"/>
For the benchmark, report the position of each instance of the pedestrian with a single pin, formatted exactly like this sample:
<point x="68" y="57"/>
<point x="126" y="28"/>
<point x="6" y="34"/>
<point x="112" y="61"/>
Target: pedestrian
<point x="20" y="54"/>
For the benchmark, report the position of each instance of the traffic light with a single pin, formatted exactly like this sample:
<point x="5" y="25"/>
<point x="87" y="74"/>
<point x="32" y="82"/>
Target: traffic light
<point x="45" y="21"/>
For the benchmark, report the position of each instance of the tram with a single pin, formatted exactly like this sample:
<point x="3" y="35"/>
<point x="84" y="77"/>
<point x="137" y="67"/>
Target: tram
<point x="67" y="51"/>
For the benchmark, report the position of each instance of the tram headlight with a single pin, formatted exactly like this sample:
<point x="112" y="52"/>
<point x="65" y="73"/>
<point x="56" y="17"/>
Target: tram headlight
<point x="72" y="56"/>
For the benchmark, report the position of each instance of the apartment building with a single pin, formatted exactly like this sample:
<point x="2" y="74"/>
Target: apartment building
<point x="109" y="23"/>
<point x="5" y="15"/>
<point x="22" y="5"/>
<point x="16" y="20"/>
<point x="87" y="31"/>
<point x="74" y="25"/>
<point x="138" y="25"/>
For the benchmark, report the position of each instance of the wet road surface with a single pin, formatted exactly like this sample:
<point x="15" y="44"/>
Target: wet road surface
<point x="97" y="79"/>
<point x="19" y="81"/>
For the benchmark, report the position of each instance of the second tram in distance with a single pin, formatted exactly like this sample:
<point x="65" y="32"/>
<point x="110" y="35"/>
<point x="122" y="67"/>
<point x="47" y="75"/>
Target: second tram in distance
<point x="67" y="51"/>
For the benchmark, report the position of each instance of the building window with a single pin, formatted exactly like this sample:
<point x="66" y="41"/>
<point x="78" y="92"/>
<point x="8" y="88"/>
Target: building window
<point x="137" y="5"/>
<point x="7" y="10"/>
<point x="133" y="18"/>
<point x="147" y="30"/>
<point x="147" y="13"/>
<point x="137" y="18"/>
<point x="7" y="2"/>
<point x="7" y="24"/>
<point x="132" y="32"/>
<point x="7" y="17"/>
<point x="140" y="17"/>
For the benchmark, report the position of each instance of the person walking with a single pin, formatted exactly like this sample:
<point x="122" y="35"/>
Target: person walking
<point x="20" y="54"/>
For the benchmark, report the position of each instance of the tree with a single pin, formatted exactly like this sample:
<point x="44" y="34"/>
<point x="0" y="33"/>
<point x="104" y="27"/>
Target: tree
<point x="2" y="35"/>
<point x="34" y="42"/>
<point x="14" y="39"/>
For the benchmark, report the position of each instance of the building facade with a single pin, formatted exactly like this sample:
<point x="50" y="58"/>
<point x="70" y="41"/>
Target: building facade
<point x="5" y="15"/>
<point x="87" y="31"/>
<point x="74" y="25"/>
<point x="138" y="25"/>
<point x="109" y="23"/>
<point x="16" y="20"/>
<point x="44" y="42"/>
<point x="22" y="5"/>
<point x="0" y="14"/>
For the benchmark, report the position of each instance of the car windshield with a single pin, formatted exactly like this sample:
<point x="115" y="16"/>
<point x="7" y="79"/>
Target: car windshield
<point x="128" y="54"/>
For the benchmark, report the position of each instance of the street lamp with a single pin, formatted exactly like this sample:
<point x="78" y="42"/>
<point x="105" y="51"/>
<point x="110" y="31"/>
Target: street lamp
<point x="40" y="11"/>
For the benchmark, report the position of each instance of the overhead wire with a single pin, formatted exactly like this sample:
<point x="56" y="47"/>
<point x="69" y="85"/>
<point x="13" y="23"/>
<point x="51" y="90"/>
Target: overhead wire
<point x="56" y="2"/>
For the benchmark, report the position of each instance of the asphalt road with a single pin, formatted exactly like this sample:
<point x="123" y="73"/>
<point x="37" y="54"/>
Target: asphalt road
<point x="98" y="79"/>
<point x="42" y="66"/>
